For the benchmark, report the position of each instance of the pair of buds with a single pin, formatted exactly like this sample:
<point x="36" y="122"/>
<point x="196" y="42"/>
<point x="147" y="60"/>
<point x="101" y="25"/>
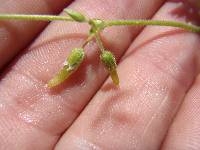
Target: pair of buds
<point x="76" y="58"/>
<point x="77" y="55"/>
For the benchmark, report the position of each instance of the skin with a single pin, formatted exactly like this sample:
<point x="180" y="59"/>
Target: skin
<point x="156" y="105"/>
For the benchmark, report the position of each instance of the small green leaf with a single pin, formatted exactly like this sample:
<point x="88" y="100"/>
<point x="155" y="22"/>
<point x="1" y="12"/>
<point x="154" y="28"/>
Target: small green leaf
<point x="75" y="15"/>
<point x="73" y="62"/>
<point x="109" y="61"/>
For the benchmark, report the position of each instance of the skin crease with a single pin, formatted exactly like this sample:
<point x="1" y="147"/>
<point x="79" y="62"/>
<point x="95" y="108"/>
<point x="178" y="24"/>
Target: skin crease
<point x="137" y="115"/>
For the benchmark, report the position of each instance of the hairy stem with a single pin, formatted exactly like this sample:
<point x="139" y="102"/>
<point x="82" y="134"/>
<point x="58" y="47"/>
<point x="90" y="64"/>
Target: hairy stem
<point x="108" y="23"/>
<point x="34" y="17"/>
<point x="186" y="26"/>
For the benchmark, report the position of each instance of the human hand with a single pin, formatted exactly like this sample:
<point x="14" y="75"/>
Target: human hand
<point x="156" y="105"/>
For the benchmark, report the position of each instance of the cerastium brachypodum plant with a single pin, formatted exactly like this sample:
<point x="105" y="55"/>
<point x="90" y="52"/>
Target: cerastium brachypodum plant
<point x="97" y="26"/>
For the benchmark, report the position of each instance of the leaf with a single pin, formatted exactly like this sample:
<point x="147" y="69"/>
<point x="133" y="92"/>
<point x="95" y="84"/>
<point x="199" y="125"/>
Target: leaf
<point x="75" y="15"/>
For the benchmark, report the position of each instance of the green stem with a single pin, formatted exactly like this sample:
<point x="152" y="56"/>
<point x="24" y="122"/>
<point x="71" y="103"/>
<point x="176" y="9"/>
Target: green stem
<point x="186" y="26"/>
<point x="99" y="42"/>
<point x="88" y="40"/>
<point x="34" y="17"/>
<point x="108" y="23"/>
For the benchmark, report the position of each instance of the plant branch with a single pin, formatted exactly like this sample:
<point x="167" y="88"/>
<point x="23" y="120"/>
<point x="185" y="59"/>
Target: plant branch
<point x="99" y="42"/>
<point x="34" y="17"/>
<point x="108" y="23"/>
<point x="186" y="26"/>
<point x="88" y="40"/>
<point x="97" y="25"/>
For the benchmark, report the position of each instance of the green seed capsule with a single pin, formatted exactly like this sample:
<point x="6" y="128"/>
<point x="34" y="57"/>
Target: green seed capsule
<point x="75" y="58"/>
<point x="75" y="15"/>
<point x="73" y="62"/>
<point x="109" y="61"/>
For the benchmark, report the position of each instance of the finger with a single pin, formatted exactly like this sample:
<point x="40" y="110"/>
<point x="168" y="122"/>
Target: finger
<point x="184" y="132"/>
<point x="155" y="73"/>
<point x="15" y="35"/>
<point x="48" y="113"/>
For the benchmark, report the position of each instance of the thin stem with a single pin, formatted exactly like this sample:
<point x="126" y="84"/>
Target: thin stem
<point x="34" y="17"/>
<point x="186" y="26"/>
<point x="88" y="40"/>
<point x="99" y="42"/>
<point x="108" y="23"/>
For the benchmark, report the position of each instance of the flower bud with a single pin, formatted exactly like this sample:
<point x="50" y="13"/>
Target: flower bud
<point x="75" y="15"/>
<point x="73" y="62"/>
<point x="109" y="61"/>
